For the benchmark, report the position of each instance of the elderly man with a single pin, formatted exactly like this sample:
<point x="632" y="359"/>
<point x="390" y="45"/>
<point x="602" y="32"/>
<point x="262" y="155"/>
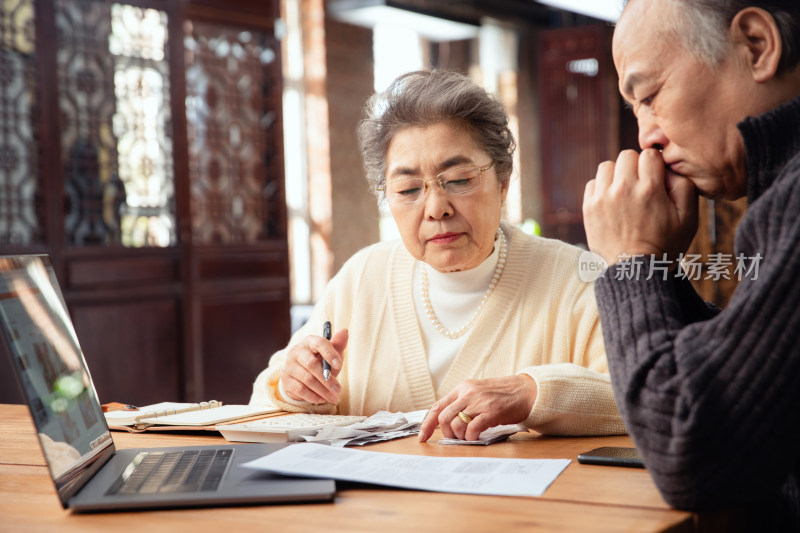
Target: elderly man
<point x="711" y="397"/>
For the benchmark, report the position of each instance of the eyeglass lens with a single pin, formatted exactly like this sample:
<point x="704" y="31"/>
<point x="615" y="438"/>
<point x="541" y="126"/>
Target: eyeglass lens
<point x="454" y="181"/>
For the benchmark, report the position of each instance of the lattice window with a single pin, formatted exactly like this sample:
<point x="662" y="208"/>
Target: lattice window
<point x="114" y="101"/>
<point x="233" y="146"/>
<point x="21" y="221"/>
<point x="112" y="129"/>
<point x="138" y="43"/>
<point x="87" y="104"/>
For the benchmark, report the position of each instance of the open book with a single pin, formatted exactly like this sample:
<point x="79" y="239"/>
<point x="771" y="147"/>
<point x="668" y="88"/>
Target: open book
<point x="187" y="415"/>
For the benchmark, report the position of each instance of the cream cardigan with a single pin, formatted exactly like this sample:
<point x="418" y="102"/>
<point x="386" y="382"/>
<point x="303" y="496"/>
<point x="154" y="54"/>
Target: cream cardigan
<point x="541" y="320"/>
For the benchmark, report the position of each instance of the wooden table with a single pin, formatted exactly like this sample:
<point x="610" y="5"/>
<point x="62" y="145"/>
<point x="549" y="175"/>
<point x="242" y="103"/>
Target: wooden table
<point x="584" y="498"/>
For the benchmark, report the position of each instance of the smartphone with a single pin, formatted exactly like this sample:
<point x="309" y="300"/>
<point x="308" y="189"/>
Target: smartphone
<point x="612" y="456"/>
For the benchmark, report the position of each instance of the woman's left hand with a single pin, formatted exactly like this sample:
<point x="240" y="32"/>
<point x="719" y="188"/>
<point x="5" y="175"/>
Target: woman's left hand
<point x="489" y="402"/>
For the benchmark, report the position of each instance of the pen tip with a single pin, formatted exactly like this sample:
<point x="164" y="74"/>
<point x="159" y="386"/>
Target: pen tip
<point x="326" y="374"/>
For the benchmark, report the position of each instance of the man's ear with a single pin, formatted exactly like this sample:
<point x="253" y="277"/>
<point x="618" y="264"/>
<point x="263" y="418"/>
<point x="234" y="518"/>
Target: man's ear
<point x="755" y="33"/>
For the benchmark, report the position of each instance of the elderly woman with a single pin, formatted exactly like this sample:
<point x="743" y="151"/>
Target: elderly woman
<point x="467" y="316"/>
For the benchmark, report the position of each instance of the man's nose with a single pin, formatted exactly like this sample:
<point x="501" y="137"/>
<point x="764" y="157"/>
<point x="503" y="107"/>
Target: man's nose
<point x="650" y="134"/>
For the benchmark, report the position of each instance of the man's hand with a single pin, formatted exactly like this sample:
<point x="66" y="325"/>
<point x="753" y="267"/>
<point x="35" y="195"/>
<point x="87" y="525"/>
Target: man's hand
<point x="635" y="206"/>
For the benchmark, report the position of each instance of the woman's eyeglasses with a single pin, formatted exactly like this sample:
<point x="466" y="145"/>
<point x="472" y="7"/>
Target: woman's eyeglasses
<point x="459" y="180"/>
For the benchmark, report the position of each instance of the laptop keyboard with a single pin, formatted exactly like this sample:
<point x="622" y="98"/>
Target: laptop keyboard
<point x="179" y="471"/>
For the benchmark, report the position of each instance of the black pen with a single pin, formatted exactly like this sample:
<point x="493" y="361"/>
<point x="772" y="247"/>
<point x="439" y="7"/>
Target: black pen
<point x="326" y="366"/>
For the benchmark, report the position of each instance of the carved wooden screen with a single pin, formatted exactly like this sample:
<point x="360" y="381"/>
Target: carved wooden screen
<point x="21" y="218"/>
<point x="141" y="148"/>
<point x="142" y="125"/>
<point x="239" y="260"/>
<point x="114" y="104"/>
<point x="230" y="101"/>
<point x="579" y="128"/>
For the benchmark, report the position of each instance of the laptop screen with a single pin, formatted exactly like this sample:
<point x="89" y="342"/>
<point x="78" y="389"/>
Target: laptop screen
<point x="40" y="338"/>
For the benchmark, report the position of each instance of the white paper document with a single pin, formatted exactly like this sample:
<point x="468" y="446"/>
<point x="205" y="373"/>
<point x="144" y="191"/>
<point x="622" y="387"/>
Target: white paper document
<point x="468" y="475"/>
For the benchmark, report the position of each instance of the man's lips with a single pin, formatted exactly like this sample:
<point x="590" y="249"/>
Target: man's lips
<point x="674" y="168"/>
<point x="444" y="238"/>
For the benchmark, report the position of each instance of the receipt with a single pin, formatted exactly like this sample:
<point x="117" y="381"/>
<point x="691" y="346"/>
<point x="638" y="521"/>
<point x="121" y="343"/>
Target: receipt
<point x="489" y="436"/>
<point x="381" y="426"/>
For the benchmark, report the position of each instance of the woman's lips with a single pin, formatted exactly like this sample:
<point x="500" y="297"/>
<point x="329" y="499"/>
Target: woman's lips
<point x="444" y="238"/>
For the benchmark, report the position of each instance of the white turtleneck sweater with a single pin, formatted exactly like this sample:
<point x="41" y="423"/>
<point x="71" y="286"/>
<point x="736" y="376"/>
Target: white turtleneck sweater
<point x="454" y="297"/>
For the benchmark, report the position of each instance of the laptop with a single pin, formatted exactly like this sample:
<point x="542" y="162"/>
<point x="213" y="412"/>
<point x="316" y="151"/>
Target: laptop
<point x="89" y="473"/>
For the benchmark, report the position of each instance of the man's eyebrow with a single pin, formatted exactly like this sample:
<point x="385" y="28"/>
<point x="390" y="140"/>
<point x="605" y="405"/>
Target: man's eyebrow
<point x="630" y="82"/>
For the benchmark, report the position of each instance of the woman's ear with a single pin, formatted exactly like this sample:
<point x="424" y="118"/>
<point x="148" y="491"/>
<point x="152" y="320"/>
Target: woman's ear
<point x="755" y="34"/>
<point x="504" y="190"/>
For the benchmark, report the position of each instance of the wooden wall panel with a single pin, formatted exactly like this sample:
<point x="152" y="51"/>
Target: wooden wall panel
<point x="121" y="271"/>
<point x="131" y="349"/>
<point x="578" y="110"/>
<point x="240" y="308"/>
<point x="241" y="332"/>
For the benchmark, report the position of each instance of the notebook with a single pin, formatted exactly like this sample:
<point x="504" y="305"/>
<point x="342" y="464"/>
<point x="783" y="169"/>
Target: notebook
<point x="88" y="472"/>
<point x="185" y="415"/>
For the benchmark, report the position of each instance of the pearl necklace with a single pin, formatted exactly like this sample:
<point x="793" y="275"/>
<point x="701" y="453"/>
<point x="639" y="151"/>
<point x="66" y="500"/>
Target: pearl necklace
<point x="426" y="301"/>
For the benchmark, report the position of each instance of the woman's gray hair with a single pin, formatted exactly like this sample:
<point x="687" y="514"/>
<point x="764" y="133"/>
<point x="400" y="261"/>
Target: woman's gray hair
<point x="423" y="98"/>
<point x="708" y="22"/>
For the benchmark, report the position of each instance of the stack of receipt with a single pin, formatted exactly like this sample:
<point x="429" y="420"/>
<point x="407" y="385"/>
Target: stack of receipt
<point x="381" y="426"/>
<point x="384" y="425"/>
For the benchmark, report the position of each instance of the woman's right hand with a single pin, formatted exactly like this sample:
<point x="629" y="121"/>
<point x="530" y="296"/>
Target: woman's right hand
<point x="302" y="377"/>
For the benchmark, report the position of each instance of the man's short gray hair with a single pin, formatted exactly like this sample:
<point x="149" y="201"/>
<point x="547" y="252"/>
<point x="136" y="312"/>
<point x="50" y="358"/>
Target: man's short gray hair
<point x="423" y="98"/>
<point x="708" y="21"/>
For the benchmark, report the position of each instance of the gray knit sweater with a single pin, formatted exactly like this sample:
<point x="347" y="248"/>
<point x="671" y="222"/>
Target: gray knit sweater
<point x="712" y="398"/>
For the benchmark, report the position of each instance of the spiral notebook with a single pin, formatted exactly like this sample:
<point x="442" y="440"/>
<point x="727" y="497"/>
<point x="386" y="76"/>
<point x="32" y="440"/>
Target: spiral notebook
<point x="192" y="415"/>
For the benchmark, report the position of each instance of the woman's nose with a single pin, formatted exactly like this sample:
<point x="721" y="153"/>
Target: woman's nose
<point x="437" y="202"/>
